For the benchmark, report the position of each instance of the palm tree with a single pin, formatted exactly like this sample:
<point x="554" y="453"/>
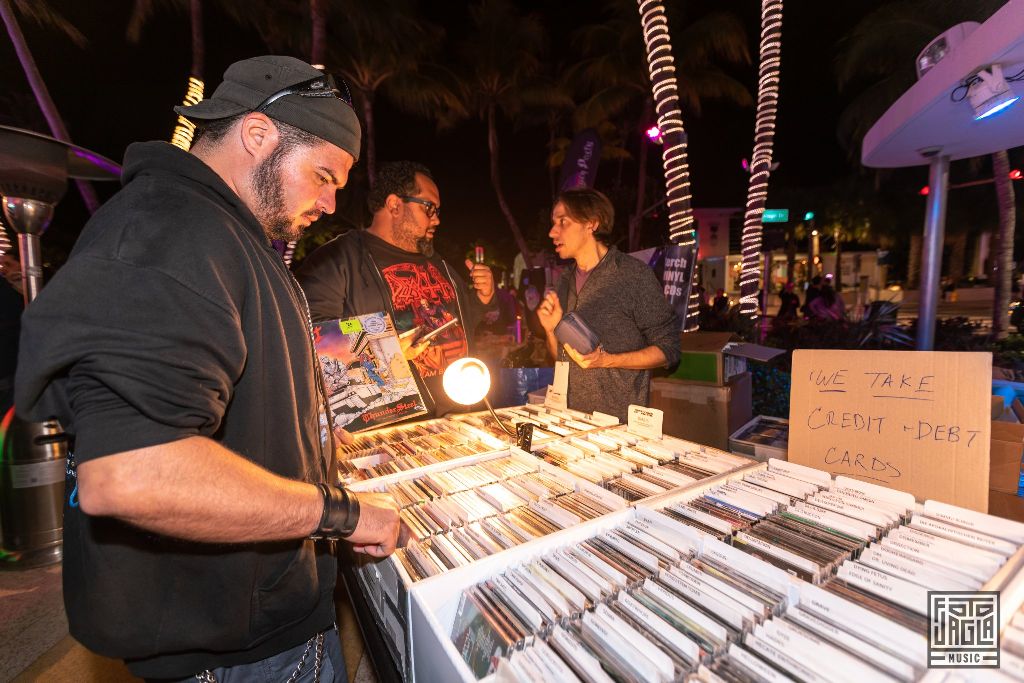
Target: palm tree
<point x="556" y="120"/>
<point x="665" y="89"/>
<point x="761" y="161"/>
<point x="379" y="48"/>
<point x="42" y="13"/>
<point x="615" y="73"/>
<point x="318" y="38"/>
<point x="502" y="74"/>
<point x="142" y="12"/>
<point x="881" y="50"/>
<point x="383" y="48"/>
<point x="318" y="25"/>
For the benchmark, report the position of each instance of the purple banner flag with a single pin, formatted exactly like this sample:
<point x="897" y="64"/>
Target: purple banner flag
<point x="580" y="166"/>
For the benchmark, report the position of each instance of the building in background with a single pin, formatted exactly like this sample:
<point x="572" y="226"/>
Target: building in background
<point x="719" y="231"/>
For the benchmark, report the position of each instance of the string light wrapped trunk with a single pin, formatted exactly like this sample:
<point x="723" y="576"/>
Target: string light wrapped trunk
<point x="662" y="70"/>
<point x="185" y="129"/>
<point x="761" y="161"/>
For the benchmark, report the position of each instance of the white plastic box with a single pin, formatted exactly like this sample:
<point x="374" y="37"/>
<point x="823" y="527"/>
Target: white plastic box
<point x="762" y="438"/>
<point x="386" y="584"/>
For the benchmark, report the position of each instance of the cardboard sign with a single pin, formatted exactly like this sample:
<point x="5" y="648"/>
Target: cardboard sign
<point x="645" y="422"/>
<point x="916" y="421"/>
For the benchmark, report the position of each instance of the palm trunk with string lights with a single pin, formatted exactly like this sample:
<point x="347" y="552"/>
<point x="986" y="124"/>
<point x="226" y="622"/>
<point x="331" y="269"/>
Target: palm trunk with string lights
<point x="670" y="122"/>
<point x="761" y="161"/>
<point x="183" y="131"/>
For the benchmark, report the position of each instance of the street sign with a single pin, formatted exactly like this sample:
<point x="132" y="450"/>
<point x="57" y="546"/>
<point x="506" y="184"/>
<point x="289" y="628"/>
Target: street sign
<point x="775" y="216"/>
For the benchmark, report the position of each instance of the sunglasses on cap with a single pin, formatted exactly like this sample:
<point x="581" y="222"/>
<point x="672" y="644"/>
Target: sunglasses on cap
<point x="430" y="208"/>
<point x="320" y="86"/>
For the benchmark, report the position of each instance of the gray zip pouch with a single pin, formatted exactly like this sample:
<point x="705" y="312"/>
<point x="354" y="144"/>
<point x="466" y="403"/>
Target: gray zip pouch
<point x="572" y="330"/>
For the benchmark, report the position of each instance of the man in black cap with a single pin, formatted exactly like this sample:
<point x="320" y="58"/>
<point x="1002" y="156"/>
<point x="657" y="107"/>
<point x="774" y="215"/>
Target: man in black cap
<point x="175" y="346"/>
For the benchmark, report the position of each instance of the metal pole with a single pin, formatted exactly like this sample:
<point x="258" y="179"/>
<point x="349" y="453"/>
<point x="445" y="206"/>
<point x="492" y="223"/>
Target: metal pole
<point x="815" y="268"/>
<point x="767" y="282"/>
<point x="31" y="266"/>
<point x="838" y="280"/>
<point x="931" y="252"/>
<point x="33" y="455"/>
<point x="29" y="218"/>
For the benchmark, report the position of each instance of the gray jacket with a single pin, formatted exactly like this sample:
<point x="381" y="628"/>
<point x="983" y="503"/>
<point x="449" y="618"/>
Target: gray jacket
<point x="623" y="303"/>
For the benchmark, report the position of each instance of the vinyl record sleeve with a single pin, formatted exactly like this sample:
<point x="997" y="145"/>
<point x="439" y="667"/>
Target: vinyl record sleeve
<point x="368" y="380"/>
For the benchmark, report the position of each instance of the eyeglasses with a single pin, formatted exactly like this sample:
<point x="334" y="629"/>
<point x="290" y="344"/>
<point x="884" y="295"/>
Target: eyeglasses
<point x="320" y="86"/>
<point x="431" y="209"/>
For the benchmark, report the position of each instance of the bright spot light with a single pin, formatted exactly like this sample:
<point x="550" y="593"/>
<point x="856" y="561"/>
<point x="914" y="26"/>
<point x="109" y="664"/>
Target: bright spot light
<point x="995" y="109"/>
<point x="467" y="381"/>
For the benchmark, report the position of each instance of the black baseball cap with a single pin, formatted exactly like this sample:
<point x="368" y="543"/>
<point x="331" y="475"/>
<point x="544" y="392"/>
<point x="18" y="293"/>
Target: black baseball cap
<point x="316" y="107"/>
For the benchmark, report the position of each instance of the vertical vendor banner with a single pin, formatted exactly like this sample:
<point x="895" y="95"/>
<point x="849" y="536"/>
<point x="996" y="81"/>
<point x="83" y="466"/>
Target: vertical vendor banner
<point x="581" y="159"/>
<point x="678" y="277"/>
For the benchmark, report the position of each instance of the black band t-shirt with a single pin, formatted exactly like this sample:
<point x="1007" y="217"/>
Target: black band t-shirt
<point x="422" y="293"/>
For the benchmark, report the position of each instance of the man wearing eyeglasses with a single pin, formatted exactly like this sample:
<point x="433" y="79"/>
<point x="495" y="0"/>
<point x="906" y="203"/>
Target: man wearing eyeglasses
<point x="175" y="346"/>
<point x="392" y="266"/>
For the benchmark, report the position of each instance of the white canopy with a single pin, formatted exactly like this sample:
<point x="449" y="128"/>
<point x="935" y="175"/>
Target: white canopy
<point x="926" y="118"/>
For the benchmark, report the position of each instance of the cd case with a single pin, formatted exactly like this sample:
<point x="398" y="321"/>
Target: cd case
<point x="762" y="438"/>
<point x="573" y="330"/>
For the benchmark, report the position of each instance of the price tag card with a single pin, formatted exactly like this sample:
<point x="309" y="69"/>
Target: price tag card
<point x="558" y="393"/>
<point x="645" y="422"/>
<point x="350" y="326"/>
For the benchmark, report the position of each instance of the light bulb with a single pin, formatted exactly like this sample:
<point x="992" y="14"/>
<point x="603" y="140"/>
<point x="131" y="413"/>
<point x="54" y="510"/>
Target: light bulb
<point x="467" y="381"/>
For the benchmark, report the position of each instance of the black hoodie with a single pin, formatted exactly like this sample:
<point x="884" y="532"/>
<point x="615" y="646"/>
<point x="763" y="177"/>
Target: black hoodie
<point x="172" y="318"/>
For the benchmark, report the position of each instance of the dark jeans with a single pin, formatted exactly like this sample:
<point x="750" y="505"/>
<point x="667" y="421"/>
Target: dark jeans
<point x="279" y="668"/>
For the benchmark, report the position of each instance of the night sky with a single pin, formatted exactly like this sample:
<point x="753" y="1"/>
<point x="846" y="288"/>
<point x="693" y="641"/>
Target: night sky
<point x="112" y="93"/>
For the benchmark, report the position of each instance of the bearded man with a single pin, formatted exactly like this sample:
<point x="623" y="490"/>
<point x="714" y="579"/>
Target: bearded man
<point x="391" y="266"/>
<point x="175" y="346"/>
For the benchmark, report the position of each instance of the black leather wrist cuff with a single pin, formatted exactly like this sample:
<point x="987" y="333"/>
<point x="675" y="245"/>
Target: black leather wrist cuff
<point x="340" y="515"/>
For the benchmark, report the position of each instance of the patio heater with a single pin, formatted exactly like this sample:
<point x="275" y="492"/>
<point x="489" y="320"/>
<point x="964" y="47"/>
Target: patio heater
<point x="34" y="172"/>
